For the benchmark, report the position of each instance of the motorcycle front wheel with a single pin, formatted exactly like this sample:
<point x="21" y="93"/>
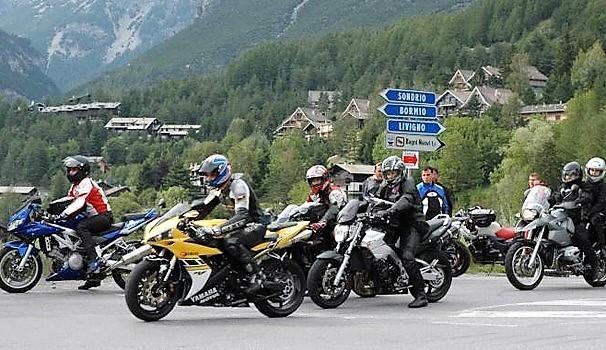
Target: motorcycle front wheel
<point x="320" y="284"/>
<point x="16" y="280"/>
<point x="517" y="266"/>
<point x="147" y="296"/>
<point x="288" y="301"/>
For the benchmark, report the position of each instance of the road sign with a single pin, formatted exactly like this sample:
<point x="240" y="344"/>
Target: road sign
<point x="409" y="96"/>
<point x="401" y="126"/>
<point x="413" y="142"/>
<point x="411" y="159"/>
<point x="409" y="110"/>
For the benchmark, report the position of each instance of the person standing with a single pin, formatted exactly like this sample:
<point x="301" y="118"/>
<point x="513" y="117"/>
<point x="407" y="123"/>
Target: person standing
<point x="433" y="196"/>
<point x="372" y="183"/>
<point x="449" y="200"/>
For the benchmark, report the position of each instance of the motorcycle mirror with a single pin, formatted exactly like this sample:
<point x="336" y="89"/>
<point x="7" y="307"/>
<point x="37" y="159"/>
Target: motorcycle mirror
<point x="191" y="214"/>
<point x="161" y="203"/>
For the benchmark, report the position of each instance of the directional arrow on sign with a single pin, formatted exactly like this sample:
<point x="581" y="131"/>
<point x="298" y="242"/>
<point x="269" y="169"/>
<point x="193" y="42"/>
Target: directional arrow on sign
<point x="400" y="126"/>
<point x="409" y="96"/>
<point x="410" y="159"/>
<point x="413" y="142"/>
<point x="409" y="110"/>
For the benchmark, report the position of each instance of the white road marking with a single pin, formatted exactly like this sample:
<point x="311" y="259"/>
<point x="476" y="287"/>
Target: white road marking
<point x="476" y="324"/>
<point x="534" y="314"/>
<point x="594" y="308"/>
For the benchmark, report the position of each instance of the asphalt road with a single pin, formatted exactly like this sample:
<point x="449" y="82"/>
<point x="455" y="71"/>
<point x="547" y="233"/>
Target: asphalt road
<point x="479" y="313"/>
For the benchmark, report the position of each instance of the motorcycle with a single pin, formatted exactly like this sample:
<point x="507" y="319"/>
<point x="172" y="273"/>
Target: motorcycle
<point x="175" y="269"/>
<point x="38" y="233"/>
<point x="478" y="237"/>
<point x="365" y="259"/>
<point x="545" y="247"/>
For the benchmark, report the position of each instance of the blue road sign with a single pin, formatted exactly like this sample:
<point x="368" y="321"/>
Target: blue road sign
<point x="414" y="127"/>
<point x="409" y="96"/>
<point x="409" y="110"/>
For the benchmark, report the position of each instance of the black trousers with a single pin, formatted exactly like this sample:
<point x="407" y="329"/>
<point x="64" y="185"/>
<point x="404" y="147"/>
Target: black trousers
<point x="90" y="225"/>
<point x="598" y="224"/>
<point x="237" y="244"/>
<point x="582" y="239"/>
<point x="409" y="241"/>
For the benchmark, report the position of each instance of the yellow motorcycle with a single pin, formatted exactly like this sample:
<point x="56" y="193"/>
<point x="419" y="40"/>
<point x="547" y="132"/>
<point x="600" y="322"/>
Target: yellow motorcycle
<point x="175" y="269"/>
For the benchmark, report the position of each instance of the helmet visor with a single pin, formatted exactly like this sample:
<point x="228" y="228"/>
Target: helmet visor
<point x="391" y="174"/>
<point x="70" y="162"/>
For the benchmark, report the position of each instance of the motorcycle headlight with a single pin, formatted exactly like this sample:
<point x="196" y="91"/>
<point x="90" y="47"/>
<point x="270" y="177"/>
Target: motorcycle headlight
<point x="160" y="236"/>
<point x="14" y="224"/>
<point x="529" y="214"/>
<point x="340" y="232"/>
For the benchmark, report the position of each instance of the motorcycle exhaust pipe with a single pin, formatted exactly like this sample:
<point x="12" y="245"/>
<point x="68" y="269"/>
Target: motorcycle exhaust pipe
<point x="132" y="257"/>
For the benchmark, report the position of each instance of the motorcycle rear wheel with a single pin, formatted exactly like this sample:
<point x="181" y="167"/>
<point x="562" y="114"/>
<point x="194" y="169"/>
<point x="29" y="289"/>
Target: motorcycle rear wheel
<point x="320" y="288"/>
<point x="436" y="290"/>
<point x="121" y="275"/>
<point x="519" y="274"/>
<point x="14" y="281"/>
<point x="602" y="267"/>
<point x="291" y="297"/>
<point x="143" y="299"/>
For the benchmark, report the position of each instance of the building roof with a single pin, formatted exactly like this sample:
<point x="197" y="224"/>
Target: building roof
<point x="544" y="108"/>
<point x="79" y="107"/>
<point x="131" y="123"/>
<point x="179" y="126"/>
<point x="491" y="71"/>
<point x="313" y="96"/>
<point x="358" y="108"/>
<point x="357" y="168"/>
<point x="490" y="96"/>
<point x="18" y="189"/>
<point x="461" y="95"/>
<point x="464" y="74"/>
<point x="534" y="74"/>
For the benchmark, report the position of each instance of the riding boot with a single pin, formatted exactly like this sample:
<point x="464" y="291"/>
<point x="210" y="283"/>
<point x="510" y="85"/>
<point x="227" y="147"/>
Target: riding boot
<point x="256" y="277"/>
<point x="88" y="284"/>
<point x="419" y="301"/>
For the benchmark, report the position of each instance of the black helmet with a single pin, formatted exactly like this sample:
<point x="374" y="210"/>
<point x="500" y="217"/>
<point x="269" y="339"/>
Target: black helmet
<point x="79" y="162"/>
<point x="571" y="172"/>
<point x="393" y="163"/>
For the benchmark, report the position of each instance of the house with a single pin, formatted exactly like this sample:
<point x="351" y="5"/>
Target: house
<point x="549" y="112"/>
<point x="309" y="120"/>
<point x="350" y="177"/>
<point x="358" y="109"/>
<point x="314" y="97"/>
<point x="100" y="162"/>
<point x="487" y="97"/>
<point x="450" y="101"/>
<point x="461" y="79"/>
<point x="94" y="111"/>
<point x="492" y="75"/>
<point x="146" y="125"/>
<point x="536" y="79"/>
<point x="177" y="131"/>
<point x="21" y="190"/>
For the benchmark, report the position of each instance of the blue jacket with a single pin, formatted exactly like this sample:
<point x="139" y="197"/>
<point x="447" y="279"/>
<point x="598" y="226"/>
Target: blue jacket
<point x="434" y="199"/>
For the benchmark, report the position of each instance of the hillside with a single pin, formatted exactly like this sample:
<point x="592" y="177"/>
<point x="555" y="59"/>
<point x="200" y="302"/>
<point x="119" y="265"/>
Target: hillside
<point x="81" y="39"/>
<point x="20" y="69"/>
<point x="227" y="28"/>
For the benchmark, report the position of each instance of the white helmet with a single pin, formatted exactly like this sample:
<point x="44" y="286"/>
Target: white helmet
<point x="595" y="163"/>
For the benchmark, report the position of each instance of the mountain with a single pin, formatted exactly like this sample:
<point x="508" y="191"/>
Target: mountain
<point x="226" y="28"/>
<point x="83" y="38"/>
<point x="21" y="69"/>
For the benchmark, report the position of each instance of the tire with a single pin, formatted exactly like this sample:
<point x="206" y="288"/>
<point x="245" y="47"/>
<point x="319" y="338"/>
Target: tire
<point x="515" y="266"/>
<point x="319" y="284"/>
<point x="121" y="275"/>
<point x="142" y="279"/>
<point x="602" y="268"/>
<point x="436" y="290"/>
<point x="459" y="257"/>
<point x="292" y="275"/>
<point x="14" y="281"/>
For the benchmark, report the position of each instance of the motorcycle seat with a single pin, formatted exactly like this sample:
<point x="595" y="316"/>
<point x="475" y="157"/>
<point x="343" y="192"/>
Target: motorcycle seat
<point x="435" y="224"/>
<point x="133" y="216"/>
<point x="505" y="233"/>
<point x="276" y="226"/>
<point x="114" y="227"/>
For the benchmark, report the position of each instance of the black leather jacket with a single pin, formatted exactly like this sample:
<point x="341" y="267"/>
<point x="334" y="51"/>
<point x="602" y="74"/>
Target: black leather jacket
<point x="407" y="209"/>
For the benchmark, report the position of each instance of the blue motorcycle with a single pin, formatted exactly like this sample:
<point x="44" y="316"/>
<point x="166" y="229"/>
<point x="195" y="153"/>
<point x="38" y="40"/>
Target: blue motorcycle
<point x="39" y="232"/>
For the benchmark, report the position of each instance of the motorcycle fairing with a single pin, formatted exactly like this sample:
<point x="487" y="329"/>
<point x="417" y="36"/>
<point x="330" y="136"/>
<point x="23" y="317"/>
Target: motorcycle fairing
<point x="21" y="247"/>
<point x="66" y="274"/>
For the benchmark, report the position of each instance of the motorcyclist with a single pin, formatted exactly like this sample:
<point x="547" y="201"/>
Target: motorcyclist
<point x="243" y="230"/>
<point x="89" y="198"/>
<point x="407" y="214"/>
<point x="322" y="190"/>
<point x="594" y="171"/>
<point x="573" y="188"/>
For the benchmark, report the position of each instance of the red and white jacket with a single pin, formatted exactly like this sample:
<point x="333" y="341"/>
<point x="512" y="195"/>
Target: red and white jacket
<point x="88" y="196"/>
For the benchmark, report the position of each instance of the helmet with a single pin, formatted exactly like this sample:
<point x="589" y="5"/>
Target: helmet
<point x="317" y="172"/>
<point x="571" y="172"/>
<point x="79" y="162"/>
<point x="217" y="165"/>
<point x="598" y="164"/>
<point x="393" y="163"/>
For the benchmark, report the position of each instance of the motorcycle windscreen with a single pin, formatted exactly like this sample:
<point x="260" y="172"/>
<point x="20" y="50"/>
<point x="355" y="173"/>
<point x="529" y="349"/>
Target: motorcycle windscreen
<point x="178" y="209"/>
<point x="537" y="199"/>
